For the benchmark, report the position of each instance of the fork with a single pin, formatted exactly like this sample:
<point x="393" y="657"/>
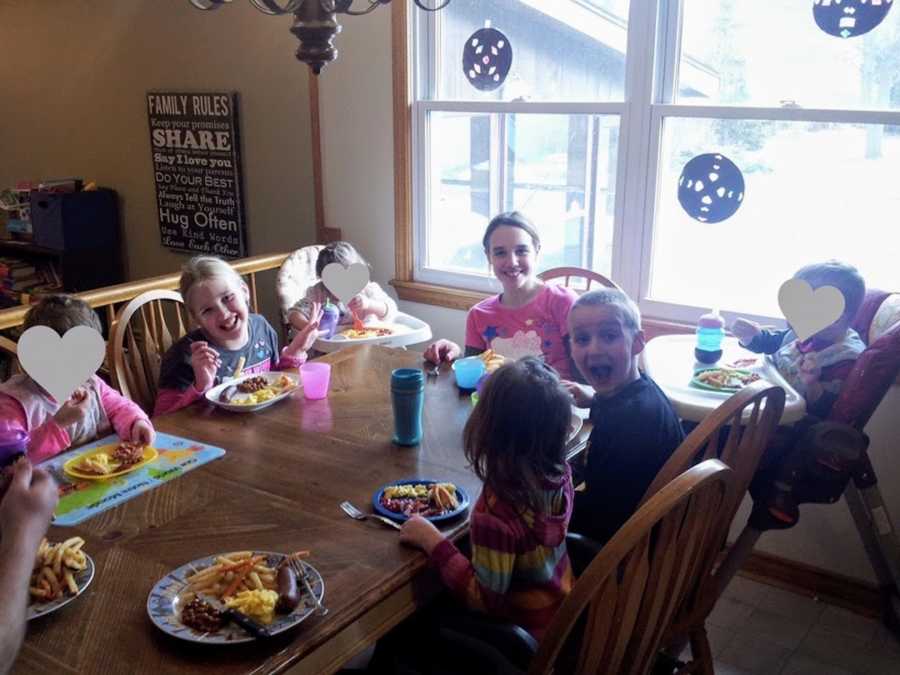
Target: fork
<point x="432" y="369"/>
<point x="356" y="514"/>
<point x="300" y="571"/>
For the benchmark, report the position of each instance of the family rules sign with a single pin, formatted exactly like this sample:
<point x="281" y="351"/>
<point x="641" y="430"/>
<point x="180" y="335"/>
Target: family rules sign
<point x="195" y="144"/>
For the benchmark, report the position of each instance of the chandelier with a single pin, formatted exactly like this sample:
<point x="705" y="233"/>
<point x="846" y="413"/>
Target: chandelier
<point x="315" y="22"/>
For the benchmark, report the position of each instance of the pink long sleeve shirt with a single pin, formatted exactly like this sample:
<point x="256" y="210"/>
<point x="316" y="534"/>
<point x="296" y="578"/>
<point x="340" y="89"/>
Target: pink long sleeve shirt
<point x="26" y="407"/>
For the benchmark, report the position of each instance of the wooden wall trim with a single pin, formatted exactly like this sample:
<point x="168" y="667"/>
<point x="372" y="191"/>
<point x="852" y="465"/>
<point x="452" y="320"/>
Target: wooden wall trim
<point x="403" y="256"/>
<point x="323" y="232"/>
<point x="855" y="595"/>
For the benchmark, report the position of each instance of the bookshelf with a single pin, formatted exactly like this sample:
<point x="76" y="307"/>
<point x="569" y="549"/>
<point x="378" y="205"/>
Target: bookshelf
<point x="76" y="246"/>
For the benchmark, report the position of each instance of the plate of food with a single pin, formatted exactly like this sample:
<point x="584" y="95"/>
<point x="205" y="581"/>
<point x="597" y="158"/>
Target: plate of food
<point x="258" y="584"/>
<point x="428" y="498"/>
<point x="61" y="573"/>
<point x="253" y="392"/>
<point x="402" y="331"/>
<point x="723" y="379"/>
<point x="109" y="461"/>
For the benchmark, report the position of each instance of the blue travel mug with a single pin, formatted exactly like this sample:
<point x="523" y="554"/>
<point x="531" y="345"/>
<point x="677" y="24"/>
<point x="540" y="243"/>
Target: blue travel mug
<point x="408" y="398"/>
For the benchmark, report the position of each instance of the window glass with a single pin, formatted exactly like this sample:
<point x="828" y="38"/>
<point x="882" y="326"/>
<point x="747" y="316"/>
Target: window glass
<point x="755" y="53"/>
<point x="814" y="191"/>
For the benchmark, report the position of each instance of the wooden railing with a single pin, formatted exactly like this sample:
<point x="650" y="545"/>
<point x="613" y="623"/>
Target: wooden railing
<point x="109" y="298"/>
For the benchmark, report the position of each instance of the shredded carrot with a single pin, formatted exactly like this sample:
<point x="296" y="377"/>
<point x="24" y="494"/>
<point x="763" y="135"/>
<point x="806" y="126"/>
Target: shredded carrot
<point x="238" y="578"/>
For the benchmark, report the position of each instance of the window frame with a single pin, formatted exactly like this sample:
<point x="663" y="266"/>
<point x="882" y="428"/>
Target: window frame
<point x="651" y="71"/>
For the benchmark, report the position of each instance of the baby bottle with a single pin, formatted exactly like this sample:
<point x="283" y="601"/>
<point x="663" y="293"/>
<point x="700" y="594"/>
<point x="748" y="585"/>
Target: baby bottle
<point x="710" y="331"/>
<point x="328" y="322"/>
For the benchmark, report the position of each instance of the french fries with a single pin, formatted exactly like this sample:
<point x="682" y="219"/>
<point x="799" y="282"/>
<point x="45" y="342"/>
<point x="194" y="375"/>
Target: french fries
<point x="54" y="569"/>
<point x="232" y="574"/>
<point x="492" y="360"/>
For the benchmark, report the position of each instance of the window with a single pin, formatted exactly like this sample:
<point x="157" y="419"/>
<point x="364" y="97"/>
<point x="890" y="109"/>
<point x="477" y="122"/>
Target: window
<point x="605" y="103"/>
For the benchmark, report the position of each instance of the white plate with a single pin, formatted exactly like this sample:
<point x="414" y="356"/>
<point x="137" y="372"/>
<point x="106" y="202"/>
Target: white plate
<point x="575" y="424"/>
<point x="272" y="376"/>
<point x="82" y="580"/>
<point x="408" y="330"/>
<point x="164" y="604"/>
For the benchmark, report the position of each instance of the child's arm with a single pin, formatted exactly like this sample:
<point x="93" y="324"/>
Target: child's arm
<point x="188" y="370"/>
<point x="492" y="543"/>
<point x="44" y="441"/>
<point x="129" y="421"/>
<point x="373" y="301"/>
<point x="757" y="339"/>
<point x="294" y="355"/>
<point x="25" y="512"/>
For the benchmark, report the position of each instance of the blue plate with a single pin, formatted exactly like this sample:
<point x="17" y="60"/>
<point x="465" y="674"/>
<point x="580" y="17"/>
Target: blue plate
<point x="461" y="497"/>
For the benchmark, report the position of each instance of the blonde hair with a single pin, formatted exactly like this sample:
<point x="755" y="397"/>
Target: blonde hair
<point x="202" y="268"/>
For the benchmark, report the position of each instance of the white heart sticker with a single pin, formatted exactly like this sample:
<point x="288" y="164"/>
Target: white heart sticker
<point x="345" y="282"/>
<point x="809" y="311"/>
<point x="61" y="364"/>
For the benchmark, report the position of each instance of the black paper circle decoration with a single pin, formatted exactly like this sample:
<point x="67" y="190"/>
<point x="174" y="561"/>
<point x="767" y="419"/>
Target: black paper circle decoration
<point x="849" y="18"/>
<point x="487" y="58"/>
<point x="711" y="188"/>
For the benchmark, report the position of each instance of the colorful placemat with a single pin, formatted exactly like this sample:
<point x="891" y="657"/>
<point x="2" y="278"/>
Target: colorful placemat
<point x="82" y="499"/>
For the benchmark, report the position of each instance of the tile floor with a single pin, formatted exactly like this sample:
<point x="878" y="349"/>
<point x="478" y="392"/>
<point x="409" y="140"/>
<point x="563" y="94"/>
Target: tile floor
<point x="758" y="629"/>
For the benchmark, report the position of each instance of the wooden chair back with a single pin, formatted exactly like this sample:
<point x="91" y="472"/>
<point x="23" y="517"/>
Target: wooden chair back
<point x="736" y="433"/>
<point x="567" y="274"/>
<point x="141" y="333"/>
<point x="628" y="595"/>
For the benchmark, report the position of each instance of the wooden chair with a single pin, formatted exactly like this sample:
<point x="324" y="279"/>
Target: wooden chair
<point x="629" y="594"/>
<point x="737" y="433"/>
<point x="569" y="273"/>
<point x="136" y="348"/>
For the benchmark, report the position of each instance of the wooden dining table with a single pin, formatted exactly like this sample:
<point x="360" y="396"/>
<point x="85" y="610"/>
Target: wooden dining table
<point x="277" y="488"/>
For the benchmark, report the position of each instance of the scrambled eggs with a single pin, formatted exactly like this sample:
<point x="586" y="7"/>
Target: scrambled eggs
<point x="419" y="490"/>
<point x="257" y="604"/>
<point x="98" y="464"/>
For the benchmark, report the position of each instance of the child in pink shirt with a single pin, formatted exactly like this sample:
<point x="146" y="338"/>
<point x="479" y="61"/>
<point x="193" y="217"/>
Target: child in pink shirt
<point x="93" y="411"/>
<point x="229" y="338"/>
<point x="529" y="317"/>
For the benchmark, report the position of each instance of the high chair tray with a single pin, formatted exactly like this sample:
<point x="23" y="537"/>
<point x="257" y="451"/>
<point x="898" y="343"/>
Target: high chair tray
<point x="669" y="361"/>
<point x="404" y="330"/>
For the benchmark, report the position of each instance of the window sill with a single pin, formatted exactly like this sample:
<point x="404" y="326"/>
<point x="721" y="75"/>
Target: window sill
<point x="462" y="299"/>
<point x="440" y="296"/>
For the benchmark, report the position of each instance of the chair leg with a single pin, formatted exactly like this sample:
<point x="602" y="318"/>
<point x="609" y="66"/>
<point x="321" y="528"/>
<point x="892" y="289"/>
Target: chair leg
<point x="701" y="654"/>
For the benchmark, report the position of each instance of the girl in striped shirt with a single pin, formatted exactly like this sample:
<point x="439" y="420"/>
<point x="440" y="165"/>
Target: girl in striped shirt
<point x="515" y="440"/>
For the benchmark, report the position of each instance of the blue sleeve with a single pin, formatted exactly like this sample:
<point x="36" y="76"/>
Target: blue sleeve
<point x="767" y="342"/>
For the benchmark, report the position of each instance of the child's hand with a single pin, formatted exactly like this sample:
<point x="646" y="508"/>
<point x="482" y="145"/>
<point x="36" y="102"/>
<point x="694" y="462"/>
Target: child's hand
<point x="361" y="306"/>
<point x="205" y="361"/>
<point x="74" y="410"/>
<point x="306" y="337"/>
<point x="745" y="330"/>
<point x="28" y="504"/>
<point x="420" y="533"/>
<point x="442" y="350"/>
<point x="142" y="432"/>
<point x="581" y="394"/>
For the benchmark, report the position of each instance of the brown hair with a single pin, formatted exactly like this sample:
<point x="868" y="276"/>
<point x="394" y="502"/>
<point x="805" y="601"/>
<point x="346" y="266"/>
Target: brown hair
<point x="516" y="436"/>
<point x="337" y="252"/>
<point x="511" y="219"/>
<point x="62" y="312"/>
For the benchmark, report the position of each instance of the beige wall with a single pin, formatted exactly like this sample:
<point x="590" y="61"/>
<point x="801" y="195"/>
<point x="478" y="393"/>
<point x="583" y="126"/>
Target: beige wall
<point x="356" y="101"/>
<point x="75" y="75"/>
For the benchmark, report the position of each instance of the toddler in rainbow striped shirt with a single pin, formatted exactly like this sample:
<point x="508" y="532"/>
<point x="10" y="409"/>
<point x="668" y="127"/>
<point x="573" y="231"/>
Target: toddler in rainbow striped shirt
<point x="515" y="440"/>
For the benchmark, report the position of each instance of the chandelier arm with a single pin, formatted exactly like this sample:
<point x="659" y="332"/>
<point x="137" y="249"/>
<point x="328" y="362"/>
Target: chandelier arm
<point x="346" y="7"/>
<point x="273" y="8"/>
<point x="431" y="9"/>
<point x="207" y="4"/>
